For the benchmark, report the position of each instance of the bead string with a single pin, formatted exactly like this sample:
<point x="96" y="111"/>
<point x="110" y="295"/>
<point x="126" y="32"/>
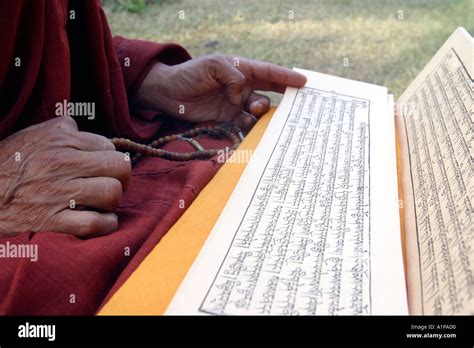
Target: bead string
<point x="232" y="132"/>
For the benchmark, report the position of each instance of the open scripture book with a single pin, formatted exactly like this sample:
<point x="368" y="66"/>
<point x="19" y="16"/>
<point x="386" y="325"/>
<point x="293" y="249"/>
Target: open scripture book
<point x="313" y="226"/>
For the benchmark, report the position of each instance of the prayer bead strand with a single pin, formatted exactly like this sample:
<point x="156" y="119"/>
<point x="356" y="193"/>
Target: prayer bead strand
<point x="232" y="132"/>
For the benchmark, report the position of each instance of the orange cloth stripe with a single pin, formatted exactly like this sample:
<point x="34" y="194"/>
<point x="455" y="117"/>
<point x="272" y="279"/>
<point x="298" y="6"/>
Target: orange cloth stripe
<point x="152" y="286"/>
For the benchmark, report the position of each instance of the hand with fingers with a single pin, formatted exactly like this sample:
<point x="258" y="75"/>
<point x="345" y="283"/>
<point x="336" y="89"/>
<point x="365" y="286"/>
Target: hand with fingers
<point x="215" y="88"/>
<point x="56" y="178"/>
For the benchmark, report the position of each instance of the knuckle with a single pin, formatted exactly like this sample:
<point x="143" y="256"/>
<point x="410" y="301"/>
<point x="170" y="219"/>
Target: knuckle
<point x="107" y="144"/>
<point x="107" y="160"/>
<point x="94" y="141"/>
<point x="66" y="122"/>
<point x="216" y="59"/>
<point x="87" y="227"/>
<point x="103" y="143"/>
<point x="111" y="223"/>
<point x="113" y="192"/>
<point x="120" y="163"/>
<point x="217" y="56"/>
<point x="98" y="225"/>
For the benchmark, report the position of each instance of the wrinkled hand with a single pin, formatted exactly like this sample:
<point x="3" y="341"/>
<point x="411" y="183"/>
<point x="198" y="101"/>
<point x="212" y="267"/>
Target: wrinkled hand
<point x="215" y="87"/>
<point x="55" y="178"/>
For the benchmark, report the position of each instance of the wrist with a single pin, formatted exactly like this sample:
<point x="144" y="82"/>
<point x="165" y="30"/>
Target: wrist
<point x="152" y="92"/>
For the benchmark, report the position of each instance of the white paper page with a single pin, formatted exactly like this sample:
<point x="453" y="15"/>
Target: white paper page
<point x="437" y="140"/>
<point x="312" y="227"/>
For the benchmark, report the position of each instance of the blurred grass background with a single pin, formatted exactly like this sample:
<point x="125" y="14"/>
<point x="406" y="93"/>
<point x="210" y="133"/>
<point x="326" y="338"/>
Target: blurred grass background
<point x="386" y="42"/>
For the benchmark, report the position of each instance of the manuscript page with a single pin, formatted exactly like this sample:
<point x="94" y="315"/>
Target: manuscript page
<point x="312" y="226"/>
<point x="436" y="118"/>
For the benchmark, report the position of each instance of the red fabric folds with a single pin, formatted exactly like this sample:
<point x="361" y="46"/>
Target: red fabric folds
<point x="66" y="52"/>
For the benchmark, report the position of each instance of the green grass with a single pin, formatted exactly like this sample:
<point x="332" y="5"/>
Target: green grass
<point x="380" y="47"/>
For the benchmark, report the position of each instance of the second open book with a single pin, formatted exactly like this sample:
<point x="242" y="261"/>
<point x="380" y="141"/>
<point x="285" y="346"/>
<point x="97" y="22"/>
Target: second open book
<point x="313" y="225"/>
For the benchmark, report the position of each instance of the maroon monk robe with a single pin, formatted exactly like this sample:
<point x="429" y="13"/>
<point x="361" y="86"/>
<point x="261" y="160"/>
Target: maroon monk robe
<point x="55" y="50"/>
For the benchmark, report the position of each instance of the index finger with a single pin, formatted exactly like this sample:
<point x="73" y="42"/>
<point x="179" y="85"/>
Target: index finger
<point x="270" y="77"/>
